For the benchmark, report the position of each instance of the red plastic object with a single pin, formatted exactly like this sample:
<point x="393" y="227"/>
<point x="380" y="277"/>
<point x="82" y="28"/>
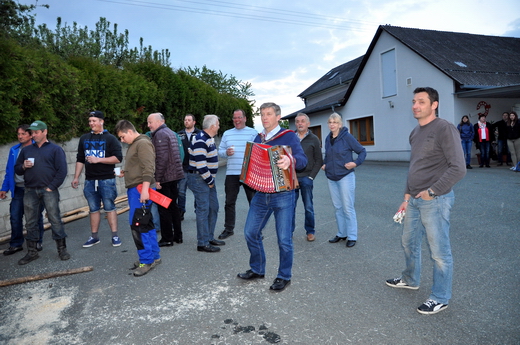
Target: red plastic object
<point x="155" y="196"/>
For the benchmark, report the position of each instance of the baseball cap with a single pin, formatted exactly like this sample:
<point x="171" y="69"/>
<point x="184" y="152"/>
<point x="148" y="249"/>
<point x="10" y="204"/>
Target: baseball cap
<point x="97" y="113"/>
<point x="37" y="125"/>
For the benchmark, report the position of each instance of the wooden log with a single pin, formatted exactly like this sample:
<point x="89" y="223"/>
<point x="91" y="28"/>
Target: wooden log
<point x="45" y="276"/>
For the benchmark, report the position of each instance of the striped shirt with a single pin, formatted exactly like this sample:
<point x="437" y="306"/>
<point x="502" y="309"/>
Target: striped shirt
<point x="204" y="157"/>
<point x="237" y="138"/>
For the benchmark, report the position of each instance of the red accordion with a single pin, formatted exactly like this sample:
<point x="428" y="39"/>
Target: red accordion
<point x="260" y="172"/>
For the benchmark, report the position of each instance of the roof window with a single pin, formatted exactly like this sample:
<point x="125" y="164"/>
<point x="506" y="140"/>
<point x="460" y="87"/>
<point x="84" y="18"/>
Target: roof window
<point x="460" y="64"/>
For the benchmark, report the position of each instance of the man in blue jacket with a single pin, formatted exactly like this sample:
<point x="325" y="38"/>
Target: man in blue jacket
<point x="281" y="204"/>
<point x="15" y="184"/>
<point x="44" y="167"/>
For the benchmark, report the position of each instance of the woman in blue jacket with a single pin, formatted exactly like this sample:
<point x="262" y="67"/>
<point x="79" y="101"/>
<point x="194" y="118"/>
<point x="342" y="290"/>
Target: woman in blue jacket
<point x="466" y="136"/>
<point x="339" y="168"/>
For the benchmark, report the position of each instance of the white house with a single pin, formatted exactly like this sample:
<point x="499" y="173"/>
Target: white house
<point x="473" y="74"/>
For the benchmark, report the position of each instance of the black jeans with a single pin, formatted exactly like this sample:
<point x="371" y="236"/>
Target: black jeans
<point x="170" y="217"/>
<point x="232" y="187"/>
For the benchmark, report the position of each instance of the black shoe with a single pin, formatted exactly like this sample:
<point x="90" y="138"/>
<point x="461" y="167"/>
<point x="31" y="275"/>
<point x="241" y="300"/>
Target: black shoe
<point x="165" y="244"/>
<point x="39" y="247"/>
<point x="208" y="248"/>
<point x="182" y="216"/>
<point x="469" y="167"/>
<point x="487" y="166"/>
<point x="12" y="250"/>
<point x="214" y="242"/>
<point x="248" y="275"/>
<point x="225" y="234"/>
<point x="177" y="240"/>
<point x="279" y="284"/>
<point x="336" y="239"/>
<point x="500" y="164"/>
<point x="351" y="244"/>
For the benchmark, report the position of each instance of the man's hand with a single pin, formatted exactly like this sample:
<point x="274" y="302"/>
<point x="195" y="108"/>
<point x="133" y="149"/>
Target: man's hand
<point x="92" y="159"/>
<point x="157" y="185"/>
<point x="284" y="162"/>
<point x="27" y="164"/>
<point x="424" y="195"/>
<point x="75" y="183"/>
<point x="145" y="196"/>
<point x="350" y="165"/>
<point x="323" y="167"/>
<point x="2" y="194"/>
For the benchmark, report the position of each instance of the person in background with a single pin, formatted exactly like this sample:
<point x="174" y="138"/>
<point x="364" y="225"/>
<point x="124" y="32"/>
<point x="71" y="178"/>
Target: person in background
<point x="168" y="172"/>
<point x="466" y="136"/>
<point x="502" y="148"/>
<point x="311" y="146"/>
<point x="15" y="184"/>
<point x="99" y="152"/>
<point x="139" y="169"/>
<point x="187" y="137"/>
<point x="233" y="146"/>
<point x="203" y="155"/>
<point x="339" y="167"/>
<point x="44" y="167"/>
<point x="436" y="165"/>
<point x="513" y="139"/>
<point x="484" y="136"/>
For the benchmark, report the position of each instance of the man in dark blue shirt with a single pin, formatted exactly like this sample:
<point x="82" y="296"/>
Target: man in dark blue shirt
<point x="44" y="167"/>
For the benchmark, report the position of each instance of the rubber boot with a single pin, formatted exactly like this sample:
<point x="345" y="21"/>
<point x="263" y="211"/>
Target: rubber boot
<point x="62" y="249"/>
<point x="32" y="254"/>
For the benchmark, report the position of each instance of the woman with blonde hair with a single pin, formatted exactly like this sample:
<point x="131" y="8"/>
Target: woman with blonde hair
<point x="339" y="167"/>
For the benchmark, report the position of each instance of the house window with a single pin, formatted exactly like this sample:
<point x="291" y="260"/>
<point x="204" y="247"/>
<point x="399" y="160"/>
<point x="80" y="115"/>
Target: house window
<point x="363" y="130"/>
<point x="388" y="73"/>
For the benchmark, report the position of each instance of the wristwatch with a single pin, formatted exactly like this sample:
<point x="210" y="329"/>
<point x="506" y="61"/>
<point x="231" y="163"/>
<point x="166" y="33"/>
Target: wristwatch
<point x="431" y="193"/>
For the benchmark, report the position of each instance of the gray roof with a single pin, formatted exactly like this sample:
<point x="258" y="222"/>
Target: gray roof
<point x="338" y="75"/>
<point x="473" y="61"/>
<point x="489" y="64"/>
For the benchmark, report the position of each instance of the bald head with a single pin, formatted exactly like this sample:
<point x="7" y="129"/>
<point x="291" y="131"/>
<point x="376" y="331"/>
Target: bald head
<point x="155" y="120"/>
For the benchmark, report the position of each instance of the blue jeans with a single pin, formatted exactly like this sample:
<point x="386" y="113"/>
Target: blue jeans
<point x="306" y="186"/>
<point x="207" y="208"/>
<point x="106" y="191"/>
<point x="430" y="218"/>
<point x="32" y="200"/>
<point x="503" y="149"/>
<point x="16" y="217"/>
<point x="261" y="208"/>
<point x="466" y="147"/>
<point x="146" y="243"/>
<point x="484" y="153"/>
<point x="343" y="194"/>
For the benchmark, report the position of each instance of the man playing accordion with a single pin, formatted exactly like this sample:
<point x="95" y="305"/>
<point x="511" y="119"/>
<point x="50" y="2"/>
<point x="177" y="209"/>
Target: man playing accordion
<point x="280" y="203"/>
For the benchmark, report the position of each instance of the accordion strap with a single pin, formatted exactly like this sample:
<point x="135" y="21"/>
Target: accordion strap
<point x="277" y="135"/>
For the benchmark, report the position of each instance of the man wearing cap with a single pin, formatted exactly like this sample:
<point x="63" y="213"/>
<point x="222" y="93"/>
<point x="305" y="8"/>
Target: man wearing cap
<point x="15" y="184"/>
<point x="99" y="152"/>
<point x="44" y="167"/>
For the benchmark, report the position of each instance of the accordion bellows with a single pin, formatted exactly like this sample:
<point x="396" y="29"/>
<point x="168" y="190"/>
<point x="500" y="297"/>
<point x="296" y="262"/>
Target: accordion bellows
<point x="260" y="172"/>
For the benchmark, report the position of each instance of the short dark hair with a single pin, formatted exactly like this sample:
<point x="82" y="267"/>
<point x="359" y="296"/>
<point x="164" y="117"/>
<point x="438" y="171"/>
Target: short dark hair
<point x="123" y="126"/>
<point x="24" y="127"/>
<point x="432" y="93"/>
<point x="192" y="117"/>
<point x="240" y="110"/>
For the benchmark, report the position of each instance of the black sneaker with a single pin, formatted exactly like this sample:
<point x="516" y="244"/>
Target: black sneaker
<point x="431" y="307"/>
<point x="399" y="283"/>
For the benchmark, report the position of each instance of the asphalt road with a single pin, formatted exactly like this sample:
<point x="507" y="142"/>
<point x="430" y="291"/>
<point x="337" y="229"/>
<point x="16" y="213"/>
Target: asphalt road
<point x="337" y="295"/>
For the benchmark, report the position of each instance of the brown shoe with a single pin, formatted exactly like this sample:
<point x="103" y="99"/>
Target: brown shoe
<point x="311" y="237"/>
<point x="142" y="269"/>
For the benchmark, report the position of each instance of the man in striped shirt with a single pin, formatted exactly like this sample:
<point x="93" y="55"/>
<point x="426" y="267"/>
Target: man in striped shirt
<point x="203" y="158"/>
<point x="232" y="146"/>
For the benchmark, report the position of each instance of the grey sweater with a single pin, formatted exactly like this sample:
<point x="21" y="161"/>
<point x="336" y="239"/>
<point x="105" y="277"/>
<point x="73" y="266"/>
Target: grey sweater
<point x="437" y="160"/>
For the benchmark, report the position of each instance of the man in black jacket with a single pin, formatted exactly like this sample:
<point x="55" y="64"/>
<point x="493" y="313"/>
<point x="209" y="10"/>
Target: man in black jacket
<point x="187" y="135"/>
<point x="168" y="172"/>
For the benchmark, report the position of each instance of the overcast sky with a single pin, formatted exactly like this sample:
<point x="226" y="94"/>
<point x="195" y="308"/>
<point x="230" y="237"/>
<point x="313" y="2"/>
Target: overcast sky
<point x="280" y="47"/>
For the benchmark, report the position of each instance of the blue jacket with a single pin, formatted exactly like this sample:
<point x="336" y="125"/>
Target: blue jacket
<point x="9" y="182"/>
<point x="337" y="155"/>
<point x="292" y="140"/>
<point x="466" y="131"/>
<point x="50" y="166"/>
